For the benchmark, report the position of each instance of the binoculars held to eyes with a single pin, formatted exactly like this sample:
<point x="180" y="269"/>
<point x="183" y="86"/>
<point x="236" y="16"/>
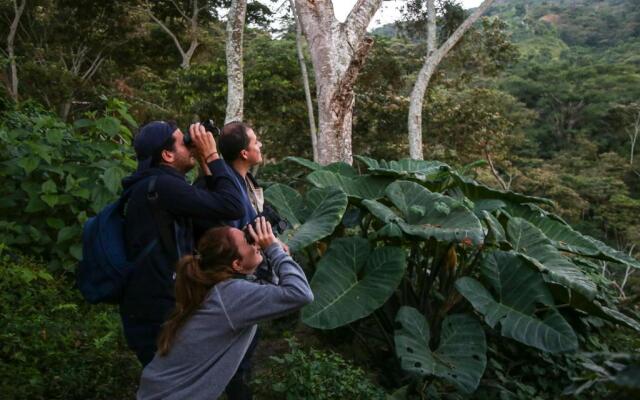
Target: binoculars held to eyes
<point x="209" y="126"/>
<point x="278" y="224"/>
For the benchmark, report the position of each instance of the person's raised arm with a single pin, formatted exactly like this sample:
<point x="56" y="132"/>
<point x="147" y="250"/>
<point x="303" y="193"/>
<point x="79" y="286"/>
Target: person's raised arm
<point x="222" y="200"/>
<point x="248" y="303"/>
<point x="205" y="147"/>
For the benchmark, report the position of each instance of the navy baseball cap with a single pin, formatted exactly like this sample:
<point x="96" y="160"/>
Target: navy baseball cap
<point x="149" y="139"/>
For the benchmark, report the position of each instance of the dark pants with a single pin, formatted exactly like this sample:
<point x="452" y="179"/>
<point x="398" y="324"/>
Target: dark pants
<point x="238" y="387"/>
<point x="141" y="337"/>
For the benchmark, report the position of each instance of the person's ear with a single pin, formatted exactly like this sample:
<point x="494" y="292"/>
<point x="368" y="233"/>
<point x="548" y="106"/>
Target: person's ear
<point x="236" y="266"/>
<point x="168" y="156"/>
<point x="244" y="154"/>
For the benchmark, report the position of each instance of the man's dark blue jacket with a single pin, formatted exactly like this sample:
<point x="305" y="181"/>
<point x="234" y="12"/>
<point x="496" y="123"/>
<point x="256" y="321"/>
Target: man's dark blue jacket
<point x="149" y="294"/>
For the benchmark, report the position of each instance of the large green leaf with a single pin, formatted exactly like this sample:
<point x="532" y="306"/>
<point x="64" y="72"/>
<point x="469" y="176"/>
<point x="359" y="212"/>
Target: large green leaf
<point x="108" y="125"/>
<point x="495" y="232"/>
<point x="461" y="357"/>
<point x="112" y="177"/>
<point x="488" y="198"/>
<point x="352" y="281"/>
<point x="407" y="168"/>
<point x="341" y="168"/>
<point x="288" y="202"/>
<point x="530" y="241"/>
<point x="29" y="164"/>
<point x="312" y="220"/>
<point x="360" y="187"/>
<point x="427" y="215"/>
<point x="312" y="165"/>
<point x="520" y="290"/>
<point x="568" y="239"/>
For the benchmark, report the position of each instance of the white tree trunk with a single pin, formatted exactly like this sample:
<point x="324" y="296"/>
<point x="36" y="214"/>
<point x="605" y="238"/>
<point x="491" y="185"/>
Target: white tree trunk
<point x="234" y="49"/>
<point x="432" y="60"/>
<point x="305" y="82"/>
<point x="11" y="55"/>
<point x="338" y="51"/>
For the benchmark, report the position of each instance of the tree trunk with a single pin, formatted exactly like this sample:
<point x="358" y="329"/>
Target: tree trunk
<point x="13" y="65"/>
<point x="305" y="82"/>
<point x="432" y="60"/>
<point x="338" y="51"/>
<point x="634" y="136"/>
<point x="235" y="77"/>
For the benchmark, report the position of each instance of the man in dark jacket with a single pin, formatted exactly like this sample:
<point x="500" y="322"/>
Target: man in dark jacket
<point x="158" y="221"/>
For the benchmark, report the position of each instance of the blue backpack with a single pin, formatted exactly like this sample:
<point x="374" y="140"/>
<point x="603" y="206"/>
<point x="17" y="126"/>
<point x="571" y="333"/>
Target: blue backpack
<point x="103" y="271"/>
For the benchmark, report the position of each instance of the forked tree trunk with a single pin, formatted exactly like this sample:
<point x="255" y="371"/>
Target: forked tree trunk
<point x="192" y="29"/>
<point x="338" y="51"/>
<point x="432" y="60"/>
<point x="305" y="82"/>
<point x="12" y="84"/>
<point x="234" y="50"/>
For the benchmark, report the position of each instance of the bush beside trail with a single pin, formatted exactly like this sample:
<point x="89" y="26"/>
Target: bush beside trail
<point x="53" y="344"/>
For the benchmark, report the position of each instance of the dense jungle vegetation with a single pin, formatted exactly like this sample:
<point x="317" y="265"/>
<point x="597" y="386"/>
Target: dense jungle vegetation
<point x="504" y="267"/>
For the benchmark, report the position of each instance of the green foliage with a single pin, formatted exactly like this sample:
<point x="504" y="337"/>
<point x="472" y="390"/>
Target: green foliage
<point x="621" y="371"/>
<point x="460" y="358"/>
<point x="352" y="281"/>
<point x="314" y="375"/>
<point x="469" y="251"/>
<point x="313" y="218"/>
<point x="57" y="175"/>
<point x="54" y="345"/>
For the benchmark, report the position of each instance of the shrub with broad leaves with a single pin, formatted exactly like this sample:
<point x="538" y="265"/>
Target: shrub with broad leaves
<point x="425" y="261"/>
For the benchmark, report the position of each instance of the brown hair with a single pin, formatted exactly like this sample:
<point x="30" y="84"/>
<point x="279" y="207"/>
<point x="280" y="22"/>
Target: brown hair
<point x="233" y="139"/>
<point x="195" y="276"/>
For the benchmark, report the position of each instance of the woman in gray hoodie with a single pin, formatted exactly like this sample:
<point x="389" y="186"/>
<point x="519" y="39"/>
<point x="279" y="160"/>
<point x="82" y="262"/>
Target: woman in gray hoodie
<point x="217" y="310"/>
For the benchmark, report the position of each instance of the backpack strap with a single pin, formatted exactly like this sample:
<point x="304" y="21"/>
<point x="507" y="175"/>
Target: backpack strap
<point x="159" y="217"/>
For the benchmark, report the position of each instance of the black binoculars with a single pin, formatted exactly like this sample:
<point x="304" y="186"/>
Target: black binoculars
<point x="209" y="126"/>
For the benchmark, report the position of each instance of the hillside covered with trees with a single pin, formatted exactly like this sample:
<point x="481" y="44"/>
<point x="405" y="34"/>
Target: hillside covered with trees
<point x="503" y="265"/>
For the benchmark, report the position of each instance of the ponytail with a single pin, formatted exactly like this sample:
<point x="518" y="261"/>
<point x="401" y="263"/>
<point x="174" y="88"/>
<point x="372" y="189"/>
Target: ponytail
<point x="195" y="276"/>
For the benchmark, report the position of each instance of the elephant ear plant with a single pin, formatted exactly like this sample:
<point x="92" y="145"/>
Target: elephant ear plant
<point x="433" y="261"/>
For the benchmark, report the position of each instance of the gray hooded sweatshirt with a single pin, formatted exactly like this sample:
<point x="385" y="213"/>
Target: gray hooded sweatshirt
<point x="209" y="347"/>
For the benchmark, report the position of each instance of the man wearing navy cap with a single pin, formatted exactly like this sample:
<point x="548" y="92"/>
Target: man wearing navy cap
<point x="158" y="221"/>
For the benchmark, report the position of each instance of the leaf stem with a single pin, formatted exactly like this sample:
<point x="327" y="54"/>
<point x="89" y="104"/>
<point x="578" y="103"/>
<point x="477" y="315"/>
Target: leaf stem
<point x="387" y="337"/>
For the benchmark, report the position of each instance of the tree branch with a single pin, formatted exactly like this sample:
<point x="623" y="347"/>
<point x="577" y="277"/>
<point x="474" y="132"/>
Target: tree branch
<point x="93" y="68"/>
<point x="180" y="10"/>
<point x="166" y="29"/>
<point x="359" y="18"/>
<point x="462" y="29"/>
<point x="494" y="171"/>
<point x="344" y="93"/>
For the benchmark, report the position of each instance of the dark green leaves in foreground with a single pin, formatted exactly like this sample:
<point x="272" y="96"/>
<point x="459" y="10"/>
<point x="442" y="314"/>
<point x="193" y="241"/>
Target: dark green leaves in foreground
<point x="568" y="239"/>
<point x="359" y="187"/>
<point x="530" y="241"/>
<point x="313" y="218"/>
<point x="460" y="357"/>
<point x="522" y="305"/>
<point x="427" y="215"/>
<point x="351" y="281"/>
